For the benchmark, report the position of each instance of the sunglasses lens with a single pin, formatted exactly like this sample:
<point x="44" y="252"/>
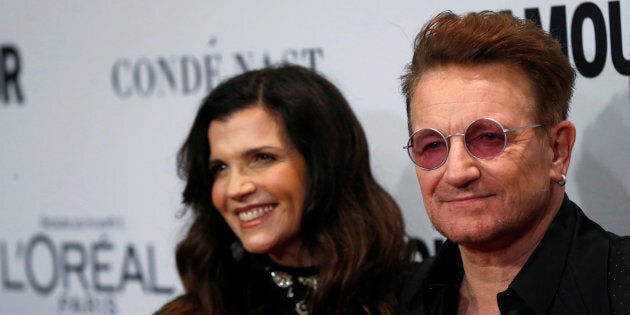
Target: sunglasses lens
<point x="427" y="148"/>
<point x="485" y="139"/>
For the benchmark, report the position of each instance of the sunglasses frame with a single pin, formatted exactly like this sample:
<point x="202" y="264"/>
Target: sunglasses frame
<point x="448" y="145"/>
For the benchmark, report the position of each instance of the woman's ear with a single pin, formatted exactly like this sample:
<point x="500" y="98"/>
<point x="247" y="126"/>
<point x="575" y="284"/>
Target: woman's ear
<point x="561" y="140"/>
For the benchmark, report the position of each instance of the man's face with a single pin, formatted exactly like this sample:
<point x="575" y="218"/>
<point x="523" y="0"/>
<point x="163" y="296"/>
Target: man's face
<point x="488" y="203"/>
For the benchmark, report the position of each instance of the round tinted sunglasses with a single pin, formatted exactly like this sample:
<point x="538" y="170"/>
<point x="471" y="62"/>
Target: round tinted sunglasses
<point x="484" y="138"/>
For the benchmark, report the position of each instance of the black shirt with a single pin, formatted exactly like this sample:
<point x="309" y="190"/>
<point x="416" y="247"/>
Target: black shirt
<point x="566" y="274"/>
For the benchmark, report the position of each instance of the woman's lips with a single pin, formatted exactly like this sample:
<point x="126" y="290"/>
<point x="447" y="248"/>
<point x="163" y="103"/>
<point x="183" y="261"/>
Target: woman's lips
<point x="255" y="212"/>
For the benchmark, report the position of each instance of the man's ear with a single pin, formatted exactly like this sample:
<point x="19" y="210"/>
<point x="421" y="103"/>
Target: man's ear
<point x="561" y="140"/>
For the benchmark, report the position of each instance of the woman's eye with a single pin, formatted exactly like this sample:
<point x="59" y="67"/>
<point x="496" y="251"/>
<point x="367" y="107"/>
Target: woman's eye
<point x="264" y="157"/>
<point x="217" y="168"/>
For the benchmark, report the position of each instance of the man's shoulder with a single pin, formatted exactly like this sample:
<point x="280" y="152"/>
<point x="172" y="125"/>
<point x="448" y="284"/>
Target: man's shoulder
<point x="619" y="254"/>
<point x="421" y="270"/>
<point x="619" y="242"/>
<point x="593" y="239"/>
<point x="619" y="274"/>
<point x="412" y="286"/>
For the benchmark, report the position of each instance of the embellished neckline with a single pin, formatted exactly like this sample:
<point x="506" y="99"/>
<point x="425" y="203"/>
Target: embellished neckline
<point x="297" y="283"/>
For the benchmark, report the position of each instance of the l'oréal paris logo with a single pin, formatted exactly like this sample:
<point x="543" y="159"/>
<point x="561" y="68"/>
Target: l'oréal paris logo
<point x="85" y="274"/>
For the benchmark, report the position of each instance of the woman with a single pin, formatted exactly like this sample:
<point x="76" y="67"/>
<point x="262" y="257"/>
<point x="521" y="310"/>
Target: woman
<point x="288" y="218"/>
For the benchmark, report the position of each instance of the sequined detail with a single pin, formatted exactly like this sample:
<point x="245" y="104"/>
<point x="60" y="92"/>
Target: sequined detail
<point x="310" y="282"/>
<point x="282" y="279"/>
<point x="301" y="308"/>
<point x="285" y="281"/>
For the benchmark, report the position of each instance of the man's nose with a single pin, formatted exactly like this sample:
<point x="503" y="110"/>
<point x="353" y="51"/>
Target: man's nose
<point x="460" y="166"/>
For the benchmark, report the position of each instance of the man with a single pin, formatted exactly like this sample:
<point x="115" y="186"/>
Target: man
<point x="487" y="101"/>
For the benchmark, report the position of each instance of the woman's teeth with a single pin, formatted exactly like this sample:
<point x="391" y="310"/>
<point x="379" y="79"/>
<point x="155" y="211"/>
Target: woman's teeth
<point x="255" y="213"/>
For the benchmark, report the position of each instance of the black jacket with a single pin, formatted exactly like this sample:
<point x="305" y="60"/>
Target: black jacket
<point x="578" y="268"/>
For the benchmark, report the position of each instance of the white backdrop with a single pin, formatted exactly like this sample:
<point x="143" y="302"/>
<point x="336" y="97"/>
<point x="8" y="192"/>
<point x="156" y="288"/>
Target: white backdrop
<point x="96" y="98"/>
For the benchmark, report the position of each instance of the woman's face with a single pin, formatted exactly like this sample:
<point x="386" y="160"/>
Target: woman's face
<point x="259" y="183"/>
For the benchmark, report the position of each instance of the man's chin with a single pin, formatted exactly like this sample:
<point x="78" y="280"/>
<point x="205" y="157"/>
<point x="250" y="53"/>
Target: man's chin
<point x="468" y="236"/>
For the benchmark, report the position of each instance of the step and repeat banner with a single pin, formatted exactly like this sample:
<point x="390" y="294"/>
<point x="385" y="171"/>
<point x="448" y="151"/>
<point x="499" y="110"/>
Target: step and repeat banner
<point x="97" y="96"/>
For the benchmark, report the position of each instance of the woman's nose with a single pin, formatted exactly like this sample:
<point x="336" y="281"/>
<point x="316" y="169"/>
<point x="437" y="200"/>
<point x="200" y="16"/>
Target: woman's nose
<point x="240" y="185"/>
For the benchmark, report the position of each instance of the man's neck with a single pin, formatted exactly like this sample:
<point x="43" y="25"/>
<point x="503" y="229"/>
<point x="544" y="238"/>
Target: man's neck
<point x="490" y="269"/>
<point x="484" y="278"/>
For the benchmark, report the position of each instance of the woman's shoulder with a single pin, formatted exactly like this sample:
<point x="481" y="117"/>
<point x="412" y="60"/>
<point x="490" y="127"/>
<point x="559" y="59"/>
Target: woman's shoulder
<point x="186" y="304"/>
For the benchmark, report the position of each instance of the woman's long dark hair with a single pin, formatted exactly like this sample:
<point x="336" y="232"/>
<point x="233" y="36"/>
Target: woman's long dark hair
<point x="351" y="226"/>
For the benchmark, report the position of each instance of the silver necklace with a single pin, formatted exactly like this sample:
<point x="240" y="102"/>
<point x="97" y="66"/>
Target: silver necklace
<point x="285" y="281"/>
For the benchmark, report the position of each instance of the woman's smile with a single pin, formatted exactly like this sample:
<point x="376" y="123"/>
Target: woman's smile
<point x="252" y="213"/>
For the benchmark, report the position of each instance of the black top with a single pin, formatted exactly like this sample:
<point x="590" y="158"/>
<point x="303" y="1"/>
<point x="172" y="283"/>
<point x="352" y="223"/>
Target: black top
<point x="566" y="274"/>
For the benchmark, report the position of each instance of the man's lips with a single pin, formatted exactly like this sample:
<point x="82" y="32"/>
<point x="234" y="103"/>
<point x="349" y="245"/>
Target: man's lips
<point x="463" y="199"/>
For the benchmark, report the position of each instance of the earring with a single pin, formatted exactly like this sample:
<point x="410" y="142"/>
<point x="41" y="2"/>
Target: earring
<point x="563" y="180"/>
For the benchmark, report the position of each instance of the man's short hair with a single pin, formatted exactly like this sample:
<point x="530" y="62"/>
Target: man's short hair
<point x="489" y="37"/>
